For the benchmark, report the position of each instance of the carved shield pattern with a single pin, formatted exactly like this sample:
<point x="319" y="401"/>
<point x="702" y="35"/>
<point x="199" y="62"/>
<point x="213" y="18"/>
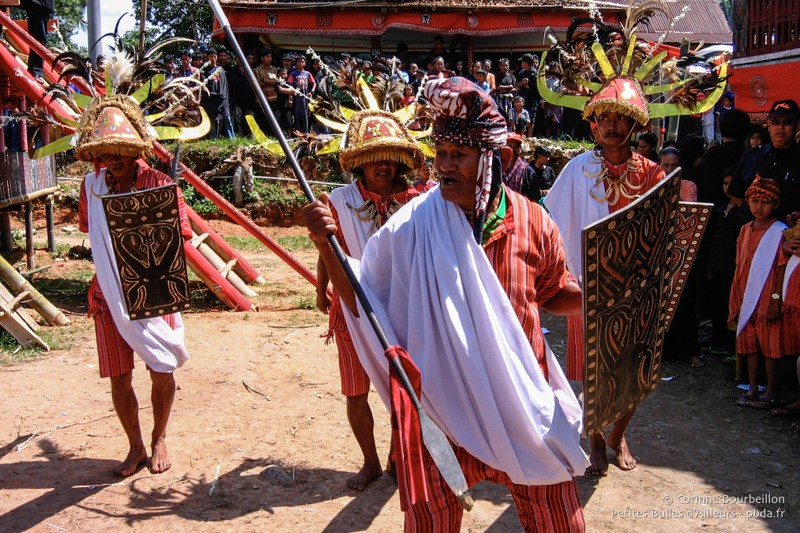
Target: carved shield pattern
<point x="691" y="222"/>
<point x="146" y="236"/>
<point x="625" y="298"/>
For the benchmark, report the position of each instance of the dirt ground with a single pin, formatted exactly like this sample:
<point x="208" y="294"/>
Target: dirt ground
<point x="260" y="442"/>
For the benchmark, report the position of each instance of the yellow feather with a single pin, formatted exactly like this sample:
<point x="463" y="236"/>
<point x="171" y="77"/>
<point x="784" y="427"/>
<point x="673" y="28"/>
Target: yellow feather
<point x="366" y="94"/>
<point x="602" y="60"/>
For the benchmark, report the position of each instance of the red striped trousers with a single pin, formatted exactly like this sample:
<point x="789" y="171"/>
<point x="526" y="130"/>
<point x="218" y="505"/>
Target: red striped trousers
<point x="543" y="509"/>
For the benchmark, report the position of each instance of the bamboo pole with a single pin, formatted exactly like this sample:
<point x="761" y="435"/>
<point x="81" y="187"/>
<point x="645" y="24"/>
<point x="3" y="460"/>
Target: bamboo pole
<point x="220" y="265"/>
<point x="225" y="250"/>
<point x="17" y="283"/>
<point x="223" y="290"/>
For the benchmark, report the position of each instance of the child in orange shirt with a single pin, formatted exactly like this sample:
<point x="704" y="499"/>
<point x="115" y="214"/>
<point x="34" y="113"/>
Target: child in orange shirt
<point x="756" y="301"/>
<point x="791" y="306"/>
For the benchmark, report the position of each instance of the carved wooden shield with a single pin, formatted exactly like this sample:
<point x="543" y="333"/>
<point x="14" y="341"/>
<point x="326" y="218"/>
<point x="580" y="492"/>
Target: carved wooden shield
<point x="146" y="236"/>
<point x="691" y="222"/>
<point x="625" y="298"/>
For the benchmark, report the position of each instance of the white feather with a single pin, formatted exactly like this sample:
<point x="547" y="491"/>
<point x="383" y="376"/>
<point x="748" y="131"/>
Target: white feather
<point x="119" y="69"/>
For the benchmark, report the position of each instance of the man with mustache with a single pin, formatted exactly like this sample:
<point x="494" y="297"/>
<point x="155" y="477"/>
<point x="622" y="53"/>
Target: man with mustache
<point x="459" y="276"/>
<point x="591" y="186"/>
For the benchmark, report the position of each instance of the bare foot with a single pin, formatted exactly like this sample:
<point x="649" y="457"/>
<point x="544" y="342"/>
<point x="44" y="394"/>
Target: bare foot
<point x="160" y="461"/>
<point x="598" y="457"/>
<point x="697" y="362"/>
<point x="364" y="477"/>
<point x="135" y="459"/>
<point x="391" y="467"/>
<point x="625" y="460"/>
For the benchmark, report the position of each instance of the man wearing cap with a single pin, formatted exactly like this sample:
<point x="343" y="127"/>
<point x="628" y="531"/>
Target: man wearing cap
<point x="591" y="186"/>
<point x="288" y="60"/>
<point x="458" y="276"/>
<point x="545" y="175"/>
<point x="778" y="161"/>
<point x="518" y="175"/>
<point x="114" y="136"/>
<point x="379" y="151"/>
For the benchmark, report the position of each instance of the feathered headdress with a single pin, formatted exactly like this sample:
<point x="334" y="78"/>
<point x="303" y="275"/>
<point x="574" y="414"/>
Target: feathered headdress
<point x="611" y="69"/>
<point x="346" y="96"/>
<point x="375" y="135"/>
<point x="135" y="105"/>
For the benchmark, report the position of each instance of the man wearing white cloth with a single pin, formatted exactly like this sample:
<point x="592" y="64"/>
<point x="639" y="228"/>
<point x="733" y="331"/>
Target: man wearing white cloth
<point x="457" y="276"/>
<point x="379" y="150"/>
<point x="591" y="186"/>
<point x="114" y="134"/>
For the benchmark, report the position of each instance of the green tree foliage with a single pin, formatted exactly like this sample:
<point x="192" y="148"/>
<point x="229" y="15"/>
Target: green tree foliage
<point x="71" y="16"/>
<point x="178" y="18"/>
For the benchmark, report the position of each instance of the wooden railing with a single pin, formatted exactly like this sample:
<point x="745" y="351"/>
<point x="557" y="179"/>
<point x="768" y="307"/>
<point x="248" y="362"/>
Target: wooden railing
<point x="765" y="26"/>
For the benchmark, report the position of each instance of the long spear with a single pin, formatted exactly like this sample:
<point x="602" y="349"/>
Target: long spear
<point x="435" y="441"/>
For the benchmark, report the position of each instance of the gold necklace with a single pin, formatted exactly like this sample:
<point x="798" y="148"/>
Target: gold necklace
<point x="616" y="188"/>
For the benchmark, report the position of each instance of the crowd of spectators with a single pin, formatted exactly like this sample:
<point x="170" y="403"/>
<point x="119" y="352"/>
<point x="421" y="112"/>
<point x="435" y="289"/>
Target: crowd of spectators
<point x="289" y="91"/>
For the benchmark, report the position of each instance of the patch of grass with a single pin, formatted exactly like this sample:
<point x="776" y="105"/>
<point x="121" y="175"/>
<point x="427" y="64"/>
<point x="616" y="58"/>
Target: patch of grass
<point x="295" y="243"/>
<point x="248" y="244"/>
<point x="288" y="296"/>
<point x="568" y="144"/>
<point x="284" y="196"/>
<point x="307" y="301"/>
<point x="58" y="338"/>
<point x="69" y="290"/>
<point x="201" y="296"/>
<point x="222" y="145"/>
<point x="197" y="201"/>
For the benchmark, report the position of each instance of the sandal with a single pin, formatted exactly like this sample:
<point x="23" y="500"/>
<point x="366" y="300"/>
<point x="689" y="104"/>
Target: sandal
<point x="767" y="403"/>
<point x="793" y="409"/>
<point x="747" y="400"/>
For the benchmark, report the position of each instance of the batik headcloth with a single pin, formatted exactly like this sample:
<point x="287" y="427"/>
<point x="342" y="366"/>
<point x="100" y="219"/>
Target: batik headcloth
<point x="765" y="189"/>
<point x="466" y="114"/>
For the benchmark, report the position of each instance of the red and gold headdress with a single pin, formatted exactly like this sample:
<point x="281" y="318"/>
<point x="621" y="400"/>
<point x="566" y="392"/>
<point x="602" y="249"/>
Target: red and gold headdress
<point x="375" y="135"/>
<point x="611" y="69"/>
<point x="348" y="98"/>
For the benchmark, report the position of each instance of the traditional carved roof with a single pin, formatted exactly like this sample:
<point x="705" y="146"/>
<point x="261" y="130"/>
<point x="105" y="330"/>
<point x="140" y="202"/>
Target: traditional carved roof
<point x="704" y="22"/>
<point x="454" y="4"/>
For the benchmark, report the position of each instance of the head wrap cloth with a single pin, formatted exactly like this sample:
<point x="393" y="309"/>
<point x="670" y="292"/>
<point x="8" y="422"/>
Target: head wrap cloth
<point x="764" y="189"/>
<point x="465" y="114"/>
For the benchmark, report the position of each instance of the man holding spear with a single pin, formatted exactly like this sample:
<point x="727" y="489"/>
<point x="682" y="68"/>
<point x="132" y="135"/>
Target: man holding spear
<point x="506" y="406"/>
<point x="458" y="276"/>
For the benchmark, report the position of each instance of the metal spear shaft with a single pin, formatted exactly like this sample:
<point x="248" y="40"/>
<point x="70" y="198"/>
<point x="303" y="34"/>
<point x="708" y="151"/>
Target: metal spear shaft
<point x="435" y="441"/>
